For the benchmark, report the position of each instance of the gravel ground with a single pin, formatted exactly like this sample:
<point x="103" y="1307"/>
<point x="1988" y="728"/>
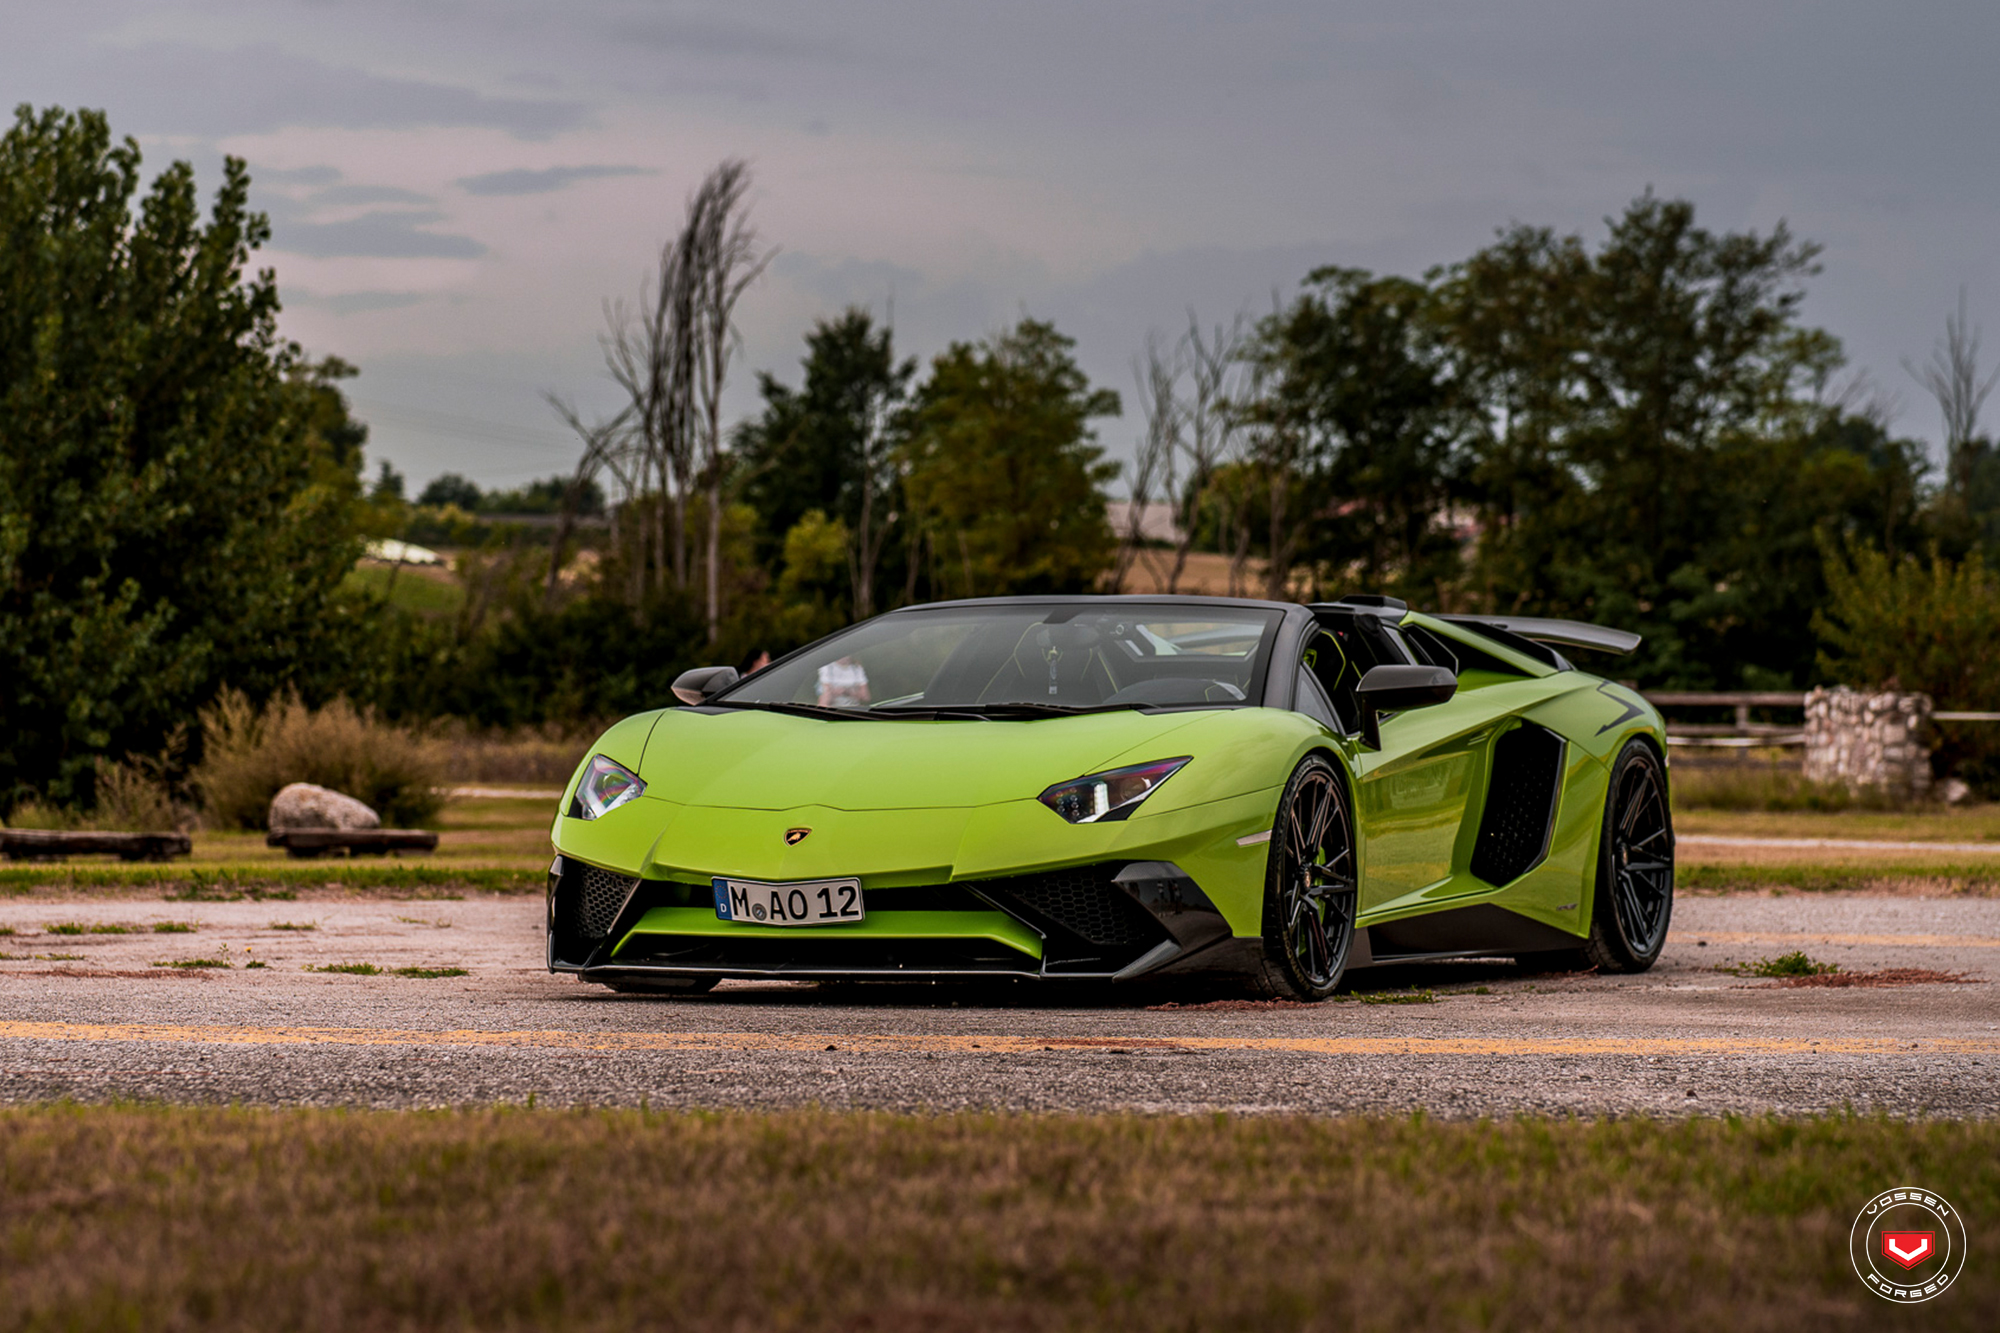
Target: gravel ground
<point x="91" y="1017"/>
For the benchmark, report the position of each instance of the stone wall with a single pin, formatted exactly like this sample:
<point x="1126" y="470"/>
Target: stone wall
<point x="1869" y="740"/>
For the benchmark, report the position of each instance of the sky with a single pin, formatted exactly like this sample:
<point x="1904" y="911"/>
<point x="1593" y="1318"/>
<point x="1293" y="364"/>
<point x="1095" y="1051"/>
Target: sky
<point x="457" y="188"/>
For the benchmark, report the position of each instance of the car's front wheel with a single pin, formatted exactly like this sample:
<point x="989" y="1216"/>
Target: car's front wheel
<point x="1311" y="886"/>
<point x="1634" y="898"/>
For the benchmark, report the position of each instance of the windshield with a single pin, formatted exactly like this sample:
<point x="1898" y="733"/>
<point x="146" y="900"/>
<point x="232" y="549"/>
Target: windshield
<point x="1061" y="657"/>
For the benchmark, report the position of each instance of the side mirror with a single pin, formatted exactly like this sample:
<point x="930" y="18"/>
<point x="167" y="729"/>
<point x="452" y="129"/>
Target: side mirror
<point x="1391" y="689"/>
<point x="703" y="683"/>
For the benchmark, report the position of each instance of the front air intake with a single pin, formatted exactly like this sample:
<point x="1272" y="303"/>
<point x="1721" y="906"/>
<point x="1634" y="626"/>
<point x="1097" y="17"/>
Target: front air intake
<point x="599" y="896"/>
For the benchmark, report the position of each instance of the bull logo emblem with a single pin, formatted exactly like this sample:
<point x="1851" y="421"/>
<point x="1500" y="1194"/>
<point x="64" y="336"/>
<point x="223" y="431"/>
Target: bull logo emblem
<point x="795" y="836"/>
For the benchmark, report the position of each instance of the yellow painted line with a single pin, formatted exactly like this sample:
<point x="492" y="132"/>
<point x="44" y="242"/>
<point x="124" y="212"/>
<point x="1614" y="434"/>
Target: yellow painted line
<point x="965" y="1043"/>
<point x="1811" y="937"/>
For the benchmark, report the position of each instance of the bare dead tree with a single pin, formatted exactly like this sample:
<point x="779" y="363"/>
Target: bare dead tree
<point x="720" y="251"/>
<point x="1158" y="373"/>
<point x="651" y="355"/>
<point x="1214" y="414"/>
<point x="1952" y="377"/>
<point x="605" y="447"/>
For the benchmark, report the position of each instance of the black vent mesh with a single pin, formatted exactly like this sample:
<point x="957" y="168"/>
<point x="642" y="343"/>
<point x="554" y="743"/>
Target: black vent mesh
<point x="1520" y="802"/>
<point x="1086" y="902"/>
<point x="600" y="895"/>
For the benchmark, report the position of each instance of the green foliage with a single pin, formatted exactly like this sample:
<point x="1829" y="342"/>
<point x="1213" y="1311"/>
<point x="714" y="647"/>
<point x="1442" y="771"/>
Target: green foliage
<point x="1651" y="450"/>
<point x="451" y="489"/>
<point x="248" y="754"/>
<point x="1927" y="626"/>
<point x="176" y="483"/>
<point x="829" y="445"/>
<point x="1897" y="622"/>
<point x="1362" y="426"/>
<point x="1003" y="468"/>
<point x="1794" y="964"/>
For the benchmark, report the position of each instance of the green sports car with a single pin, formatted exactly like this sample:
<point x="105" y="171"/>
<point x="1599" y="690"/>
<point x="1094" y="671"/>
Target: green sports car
<point x="1106" y="788"/>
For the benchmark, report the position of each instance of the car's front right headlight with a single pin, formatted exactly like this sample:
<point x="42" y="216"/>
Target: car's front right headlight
<point x="607" y="784"/>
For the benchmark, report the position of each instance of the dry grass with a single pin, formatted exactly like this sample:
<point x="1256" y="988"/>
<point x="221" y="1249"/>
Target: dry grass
<point x="1888" y="976"/>
<point x="180" y="1219"/>
<point x="248" y="754"/>
<point x="540" y="756"/>
<point x="1771" y="782"/>
<point x="135" y="796"/>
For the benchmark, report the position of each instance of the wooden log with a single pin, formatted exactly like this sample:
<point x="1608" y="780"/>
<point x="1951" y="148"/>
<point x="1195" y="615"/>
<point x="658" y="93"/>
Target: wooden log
<point x="306" y="843"/>
<point x="26" y="844"/>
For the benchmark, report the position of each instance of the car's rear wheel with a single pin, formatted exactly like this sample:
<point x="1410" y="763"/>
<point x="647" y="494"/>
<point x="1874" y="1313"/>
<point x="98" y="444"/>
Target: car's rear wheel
<point x="665" y="986"/>
<point x="1311" y="886"/>
<point x="1634" y="898"/>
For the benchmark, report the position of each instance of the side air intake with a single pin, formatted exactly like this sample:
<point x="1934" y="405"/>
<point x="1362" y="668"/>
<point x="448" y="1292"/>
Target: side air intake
<point x="1520" y="804"/>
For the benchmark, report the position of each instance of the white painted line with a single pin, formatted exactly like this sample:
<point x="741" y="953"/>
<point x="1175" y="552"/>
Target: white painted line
<point x="516" y="793"/>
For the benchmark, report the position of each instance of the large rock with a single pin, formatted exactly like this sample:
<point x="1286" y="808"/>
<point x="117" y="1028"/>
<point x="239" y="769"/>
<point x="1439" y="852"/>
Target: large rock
<point x="302" y="805"/>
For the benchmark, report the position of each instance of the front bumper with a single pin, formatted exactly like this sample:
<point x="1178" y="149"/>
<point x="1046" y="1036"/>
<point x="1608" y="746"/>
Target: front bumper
<point x="1105" y="921"/>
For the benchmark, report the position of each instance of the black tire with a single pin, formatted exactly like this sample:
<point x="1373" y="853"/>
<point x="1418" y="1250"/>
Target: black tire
<point x="1310" y="887"/>
<point x="666" y="986"/>
<point x="1633" y="901"/>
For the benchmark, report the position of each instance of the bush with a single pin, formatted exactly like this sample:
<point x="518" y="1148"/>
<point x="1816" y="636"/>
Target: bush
<point x="1921" y="626"/>
<point x="248" y="754"/>
<point x="135" y="796"/>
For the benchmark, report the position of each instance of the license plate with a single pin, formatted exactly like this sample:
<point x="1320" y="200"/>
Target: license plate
<point x="810" y="902"/>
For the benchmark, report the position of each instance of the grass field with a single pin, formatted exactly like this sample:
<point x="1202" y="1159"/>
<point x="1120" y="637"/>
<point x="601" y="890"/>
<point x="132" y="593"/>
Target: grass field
<point x="124" y="1218"/>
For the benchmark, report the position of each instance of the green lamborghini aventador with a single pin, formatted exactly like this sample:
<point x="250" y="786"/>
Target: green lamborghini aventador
<point x="1105" y="788"/>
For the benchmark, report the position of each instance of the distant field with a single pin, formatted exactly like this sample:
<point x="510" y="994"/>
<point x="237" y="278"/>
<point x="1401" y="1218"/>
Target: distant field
<point x="1969" y="823"/>
<point x="486" y="844"/>
<point x="426" y="590"/>
<point x="166" y="1218"/>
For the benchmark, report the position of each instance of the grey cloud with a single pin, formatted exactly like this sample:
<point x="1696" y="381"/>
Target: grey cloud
<point x="368" y="194"/>
<point x="178" y="89"/>
<point x="384" y="234"/>
<point x="354" y="303"/>
<point x="321" y="175"/>
<point x="546" y="180"/>
<point x="715" y="37"/>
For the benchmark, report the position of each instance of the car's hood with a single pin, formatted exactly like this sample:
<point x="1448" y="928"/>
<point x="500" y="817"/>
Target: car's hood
<point x="753" y="760"/>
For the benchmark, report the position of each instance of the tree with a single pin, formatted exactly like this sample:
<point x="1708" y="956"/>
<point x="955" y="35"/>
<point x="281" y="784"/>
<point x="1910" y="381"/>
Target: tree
<point x="1653" y="448"/>
<point x="178" y="486"/>
<point x="1359" y="428"/>
<point x="1003" y="471"/>
<point x="452" y="489"/>
<point x="831" y="446"/>
<point x="1969" y="508"/>
<point x="673" y="364"/>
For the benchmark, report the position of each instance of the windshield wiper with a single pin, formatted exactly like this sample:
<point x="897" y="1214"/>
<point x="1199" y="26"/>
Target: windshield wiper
<point x="819" y="711"/>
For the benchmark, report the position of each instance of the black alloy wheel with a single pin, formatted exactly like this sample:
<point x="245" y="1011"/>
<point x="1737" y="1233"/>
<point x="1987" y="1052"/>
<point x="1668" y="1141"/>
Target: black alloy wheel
<point x="1634" y="899"/>
<point x="1311" y="891"/>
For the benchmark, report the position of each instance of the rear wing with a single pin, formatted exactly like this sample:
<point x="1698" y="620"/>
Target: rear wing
<point x="1568" y="633"/>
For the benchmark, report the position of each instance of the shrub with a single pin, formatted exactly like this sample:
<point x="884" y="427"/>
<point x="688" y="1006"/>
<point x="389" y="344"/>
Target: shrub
<point x="135" y="796"/>
<point x="248" y="754"/>
<point x="1924" y="626"/>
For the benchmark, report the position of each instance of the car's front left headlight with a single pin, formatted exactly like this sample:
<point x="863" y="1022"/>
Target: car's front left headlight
<point x="1112" y="794"/>
<point x="606" y="785"/>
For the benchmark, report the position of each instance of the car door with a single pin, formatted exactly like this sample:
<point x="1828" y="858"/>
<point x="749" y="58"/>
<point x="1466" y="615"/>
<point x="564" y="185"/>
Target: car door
<point x="1412" y="796"/>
